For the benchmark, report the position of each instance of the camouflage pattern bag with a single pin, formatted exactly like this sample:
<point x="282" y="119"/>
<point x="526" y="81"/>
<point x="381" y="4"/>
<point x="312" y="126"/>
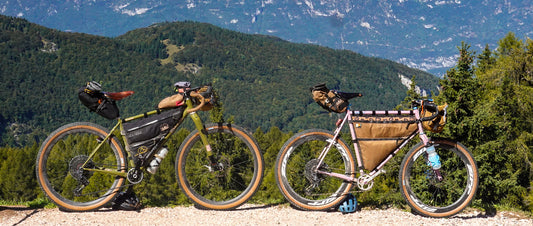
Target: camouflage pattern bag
<point x="329" y="99"/>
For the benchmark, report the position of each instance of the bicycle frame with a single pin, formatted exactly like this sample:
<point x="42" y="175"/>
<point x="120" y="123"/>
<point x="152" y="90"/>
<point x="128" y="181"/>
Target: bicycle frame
<point x="367" y="178"/>
<point x="189" y="111"/>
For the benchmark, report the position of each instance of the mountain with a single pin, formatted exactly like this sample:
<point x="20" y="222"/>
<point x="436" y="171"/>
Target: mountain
<point x="419" y="33"/>
<point x="262" y="81"/>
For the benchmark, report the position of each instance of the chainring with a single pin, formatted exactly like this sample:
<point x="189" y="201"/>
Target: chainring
<point x="135" y="175"/>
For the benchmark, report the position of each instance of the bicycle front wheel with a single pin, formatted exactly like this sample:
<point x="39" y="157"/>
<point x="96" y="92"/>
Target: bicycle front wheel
<point x="74" y="178"/>
<point x="443" y="192"/>
<point x="296" y="170"/>
<point x="227" y="178"/>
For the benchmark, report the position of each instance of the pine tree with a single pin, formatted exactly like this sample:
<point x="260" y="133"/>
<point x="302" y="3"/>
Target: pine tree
<point x="501" y="126"/>
<point x="460" y="89"/>
<point x="486" y="60"/>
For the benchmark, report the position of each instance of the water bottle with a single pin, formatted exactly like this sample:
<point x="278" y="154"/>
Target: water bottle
<point x="158" y="157"/>
<point x="433" y="158"/>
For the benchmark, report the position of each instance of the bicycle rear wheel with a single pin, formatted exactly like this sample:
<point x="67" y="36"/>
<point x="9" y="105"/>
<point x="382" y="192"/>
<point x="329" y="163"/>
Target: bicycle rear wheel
<point x="60" y="173"/>
<point x="231" y="177"/>
<point x="300" y="184"/>
<point x="430" y="196"/>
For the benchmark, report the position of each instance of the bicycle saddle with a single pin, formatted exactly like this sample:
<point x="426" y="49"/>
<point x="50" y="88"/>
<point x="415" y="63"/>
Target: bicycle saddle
<point x="348" y="96"/>
<point x="119" y="95"/>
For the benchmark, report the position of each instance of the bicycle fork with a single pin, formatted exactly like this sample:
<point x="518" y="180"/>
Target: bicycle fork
<point x="213" y="166"/>
<point x="432" y="155"/>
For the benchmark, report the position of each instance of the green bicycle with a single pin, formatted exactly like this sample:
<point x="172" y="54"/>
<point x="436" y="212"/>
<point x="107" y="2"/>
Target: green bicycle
<point x="82" y="166"/>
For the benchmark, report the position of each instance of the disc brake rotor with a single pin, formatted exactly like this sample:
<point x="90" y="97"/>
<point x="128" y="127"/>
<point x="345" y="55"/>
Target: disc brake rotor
<point x="310" y="171"/>
<point x="77" y="171"/>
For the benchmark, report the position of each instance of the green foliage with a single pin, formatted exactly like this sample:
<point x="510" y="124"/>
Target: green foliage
<point x="460" y="90"/>
<point x="17" y="167"/>
<point x="490" y="111"/>
<point x="270" y="144"/>
<point x="161" y="188"/>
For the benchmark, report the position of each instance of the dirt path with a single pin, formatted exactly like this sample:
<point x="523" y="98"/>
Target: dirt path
<point x="246" y="215"/>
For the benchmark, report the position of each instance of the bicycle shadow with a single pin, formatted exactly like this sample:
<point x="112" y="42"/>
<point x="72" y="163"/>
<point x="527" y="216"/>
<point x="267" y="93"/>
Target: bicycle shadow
<point x="242" y="208"/>
<point x="6" y="211"/>
<point x="255" y="207"/>
<point x="480" y="215"/>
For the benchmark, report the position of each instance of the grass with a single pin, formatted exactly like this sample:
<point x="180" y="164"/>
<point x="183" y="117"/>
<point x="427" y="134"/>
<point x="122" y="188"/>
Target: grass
<point x="33" y="204"/>
<point x="171" y="50"/>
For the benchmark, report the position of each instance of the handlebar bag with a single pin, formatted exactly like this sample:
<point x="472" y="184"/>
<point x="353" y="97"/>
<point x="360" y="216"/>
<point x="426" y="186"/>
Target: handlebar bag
<point x="437" y="124"/>
<point x="379" y="135"/>
<point x="209" y="97"/>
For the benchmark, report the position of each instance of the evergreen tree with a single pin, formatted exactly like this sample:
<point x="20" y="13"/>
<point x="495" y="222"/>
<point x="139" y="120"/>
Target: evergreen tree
<point x="499" y="130"/>
<point x="508" y="44"/>
<point x="460" y="89"/>
<point x="486" y="60"/>
<point x="17" y="167"/>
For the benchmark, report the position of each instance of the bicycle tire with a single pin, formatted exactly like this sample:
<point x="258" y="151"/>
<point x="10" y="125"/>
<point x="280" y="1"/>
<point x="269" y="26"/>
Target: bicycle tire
<point x="294" y="176"/>
<point x="234" y="178"/>
<point x="428" y="196"/>
<point x="58" y="167"/>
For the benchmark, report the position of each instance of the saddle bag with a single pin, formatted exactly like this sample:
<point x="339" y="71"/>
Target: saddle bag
<point x="143" y="134"/>
<point x="92" y="97"/>
<point x="379" y="135"/>
<point x="329" y="99"/>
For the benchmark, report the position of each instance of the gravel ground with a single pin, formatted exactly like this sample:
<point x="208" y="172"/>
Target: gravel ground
<point x="246" y="215"/>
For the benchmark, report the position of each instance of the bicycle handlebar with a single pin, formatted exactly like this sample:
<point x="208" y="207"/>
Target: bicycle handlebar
<point x="430" y="106"/>
<point x="199" y="96"/>
<point x="429" y="118"/>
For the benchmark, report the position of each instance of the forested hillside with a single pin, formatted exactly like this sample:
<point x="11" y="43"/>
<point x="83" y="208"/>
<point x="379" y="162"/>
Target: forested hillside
<point x="262" y="81"/>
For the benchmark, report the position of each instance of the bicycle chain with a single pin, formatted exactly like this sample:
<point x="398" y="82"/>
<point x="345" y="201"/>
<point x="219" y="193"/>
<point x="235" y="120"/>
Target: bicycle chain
<point x="96" y="192"/>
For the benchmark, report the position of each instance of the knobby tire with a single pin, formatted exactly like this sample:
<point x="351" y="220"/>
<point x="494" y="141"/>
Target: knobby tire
<point x="429" y="196"/>
<point x="233" y="177"/>
<point x="300" y="184"/>
<point x="58" y="169"/>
